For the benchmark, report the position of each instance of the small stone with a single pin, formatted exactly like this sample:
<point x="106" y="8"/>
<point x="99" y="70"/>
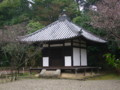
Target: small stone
<point x="37" y="75"/>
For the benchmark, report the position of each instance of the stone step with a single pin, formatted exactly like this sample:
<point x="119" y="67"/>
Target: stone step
<point x="50" y="73"/>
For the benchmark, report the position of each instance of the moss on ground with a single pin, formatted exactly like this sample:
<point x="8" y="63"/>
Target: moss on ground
<point x="108" y="76"/>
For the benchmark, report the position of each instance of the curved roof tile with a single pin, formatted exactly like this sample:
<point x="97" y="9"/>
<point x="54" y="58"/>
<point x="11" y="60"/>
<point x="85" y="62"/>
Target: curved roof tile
<point x="61" y="29"/>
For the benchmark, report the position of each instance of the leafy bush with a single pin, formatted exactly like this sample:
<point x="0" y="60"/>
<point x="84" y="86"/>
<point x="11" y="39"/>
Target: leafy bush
<point x="33" y="26"/>
<point x="19" y="19"/>
<point x="112" y="61"/>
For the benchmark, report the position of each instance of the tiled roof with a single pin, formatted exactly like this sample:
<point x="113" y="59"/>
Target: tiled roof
<point x="61" y="29"/>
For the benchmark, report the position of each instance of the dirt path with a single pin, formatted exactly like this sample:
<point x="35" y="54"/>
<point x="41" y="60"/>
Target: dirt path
<point x="61" y="84"/>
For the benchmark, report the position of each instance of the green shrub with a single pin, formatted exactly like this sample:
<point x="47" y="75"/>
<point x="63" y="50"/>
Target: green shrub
<point x="34" y="26"/>
<point x="113" y="61"/>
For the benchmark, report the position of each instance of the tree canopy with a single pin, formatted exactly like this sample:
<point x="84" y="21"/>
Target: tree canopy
<point x="47" y="11"/>
<point x="26" y="17"/>
<point x="13" y="11"/>
<point x="108" y="18"/>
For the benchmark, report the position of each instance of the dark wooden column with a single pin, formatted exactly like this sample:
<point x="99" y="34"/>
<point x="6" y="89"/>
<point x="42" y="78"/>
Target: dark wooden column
<point x="80" y="51"/>
<point x="63" y="54"/>
<point x="72" y="51"/>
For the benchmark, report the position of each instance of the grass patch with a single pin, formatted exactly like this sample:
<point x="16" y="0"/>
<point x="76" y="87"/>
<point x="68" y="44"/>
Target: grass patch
<point x="24" y="75"/>
<point x="108" y="76"/>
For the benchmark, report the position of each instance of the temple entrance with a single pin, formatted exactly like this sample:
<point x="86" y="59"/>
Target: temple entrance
<point x="56" y="57"/>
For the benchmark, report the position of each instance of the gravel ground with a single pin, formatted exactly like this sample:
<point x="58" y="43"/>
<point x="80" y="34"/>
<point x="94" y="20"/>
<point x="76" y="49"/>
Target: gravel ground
<point x="61" y="84"/>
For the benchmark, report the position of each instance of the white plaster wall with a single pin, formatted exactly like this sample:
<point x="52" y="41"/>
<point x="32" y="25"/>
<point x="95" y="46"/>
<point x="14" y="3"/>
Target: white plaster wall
<point x="45" y="61"/>
<point x="83" y="57"/>
<point x="68" y="61"/>
<point x="76" y="57"/>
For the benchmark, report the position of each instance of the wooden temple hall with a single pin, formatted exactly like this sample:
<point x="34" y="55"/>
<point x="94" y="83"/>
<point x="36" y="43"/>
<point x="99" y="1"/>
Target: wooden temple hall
<point x="64" y="44"/>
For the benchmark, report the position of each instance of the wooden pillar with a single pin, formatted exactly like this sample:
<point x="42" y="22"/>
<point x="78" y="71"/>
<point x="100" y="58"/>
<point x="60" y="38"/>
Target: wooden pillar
<point x="91" y="71"/>
<point x="49" y="54"/>
<point x="84" y="72"/>
<point x="63" y="55"/>
<point x="80" y="52"/>
<point x="98" y="70"/>
<point x="72" y="51"/>
<point x="76" y="71"/>
<point x="30" y="70"/>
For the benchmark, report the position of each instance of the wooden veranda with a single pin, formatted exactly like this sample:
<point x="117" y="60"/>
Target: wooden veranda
<point x="75" y="69"/>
